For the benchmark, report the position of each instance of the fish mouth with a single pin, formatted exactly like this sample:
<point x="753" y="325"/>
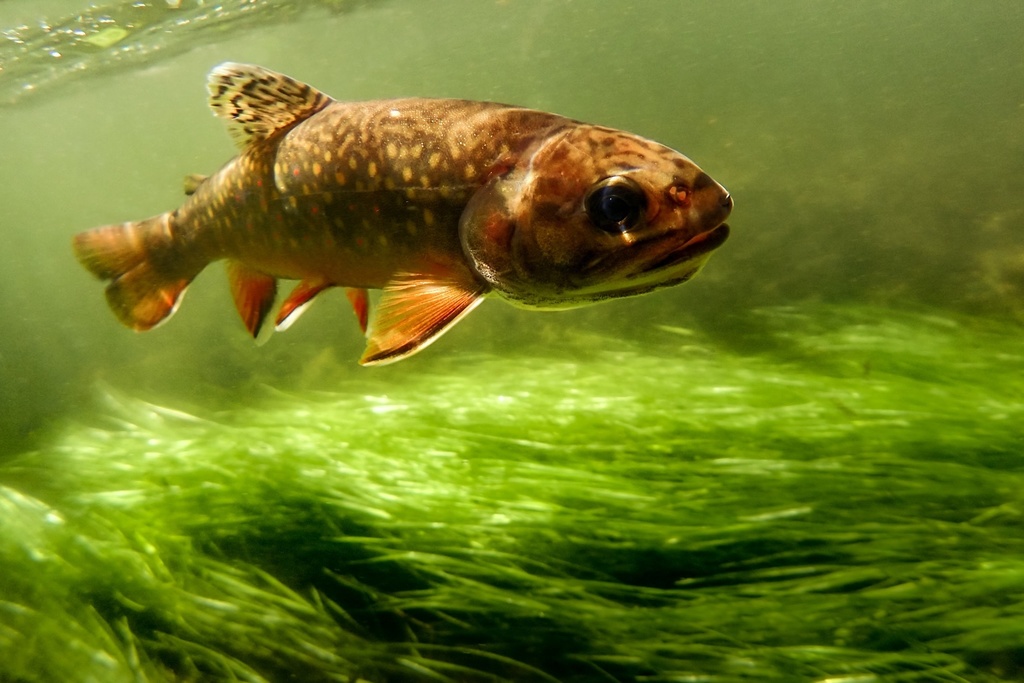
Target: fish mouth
<point x="694" y="248"/>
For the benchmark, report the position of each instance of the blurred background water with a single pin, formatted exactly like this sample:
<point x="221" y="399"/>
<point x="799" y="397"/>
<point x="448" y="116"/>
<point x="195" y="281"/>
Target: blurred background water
<point x="875" y="151"/>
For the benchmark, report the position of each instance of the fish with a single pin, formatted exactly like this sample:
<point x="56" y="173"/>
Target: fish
<point x="437" y="203"/>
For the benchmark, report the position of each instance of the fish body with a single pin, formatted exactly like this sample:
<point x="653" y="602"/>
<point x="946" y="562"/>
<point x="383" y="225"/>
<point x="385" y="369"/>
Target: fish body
<point x="437" y="202"/>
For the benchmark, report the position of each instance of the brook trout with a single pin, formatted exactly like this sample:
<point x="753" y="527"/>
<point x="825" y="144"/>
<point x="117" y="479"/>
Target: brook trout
<point x="437" y="202"/>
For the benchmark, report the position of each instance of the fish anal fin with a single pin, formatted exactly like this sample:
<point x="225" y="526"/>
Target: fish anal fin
<point x="298" y="301"/>
<point x="360" y="300"/>
<point x="257" y="102"/>
<point x="414" y="310"/>
<point x="253" y="292"/>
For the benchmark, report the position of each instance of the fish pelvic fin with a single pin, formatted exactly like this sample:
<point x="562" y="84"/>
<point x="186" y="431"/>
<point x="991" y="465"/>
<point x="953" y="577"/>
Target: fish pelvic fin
<point x="303" y="294"/>
<point x="258" y="103"/>
<point x="414" y="310"/>
<point x="146" y="279"/>
<point x="360" y="300"/>
<point x="298" y="301"/>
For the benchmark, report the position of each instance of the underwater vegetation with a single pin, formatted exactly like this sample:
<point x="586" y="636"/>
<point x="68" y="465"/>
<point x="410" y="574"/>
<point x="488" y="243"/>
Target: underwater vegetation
<point x="843" y="505"/>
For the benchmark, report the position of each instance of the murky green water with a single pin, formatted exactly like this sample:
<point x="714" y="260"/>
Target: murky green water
<point x="803" y="465"/>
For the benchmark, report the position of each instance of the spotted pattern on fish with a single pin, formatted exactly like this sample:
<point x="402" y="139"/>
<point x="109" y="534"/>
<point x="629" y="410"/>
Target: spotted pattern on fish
<point x="436" y="202"/>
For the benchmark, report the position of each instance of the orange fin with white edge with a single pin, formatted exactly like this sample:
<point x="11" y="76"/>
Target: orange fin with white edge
<point x="360" y="300"/>
<point x="146" y="277"/>
<point x="304" y="293"/>
<point x="254" y="293"/>
<point x="414" y="310"/>
<point x="298" y="301"/>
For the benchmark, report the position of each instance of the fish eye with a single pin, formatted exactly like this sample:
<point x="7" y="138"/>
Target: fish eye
<point x="615" y="205"/>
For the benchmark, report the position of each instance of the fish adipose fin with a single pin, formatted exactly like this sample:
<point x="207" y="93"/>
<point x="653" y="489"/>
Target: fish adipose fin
<point x="192" y="182"/>
<point x="146" y="281"/>
<point x="257" y="102"/>
<point x="254" y="293"/>
<point x="414" y="310"/>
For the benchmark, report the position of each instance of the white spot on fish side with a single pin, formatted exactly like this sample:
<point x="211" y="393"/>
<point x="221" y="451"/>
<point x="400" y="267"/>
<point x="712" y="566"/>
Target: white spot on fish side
<point x="394" y="113"/>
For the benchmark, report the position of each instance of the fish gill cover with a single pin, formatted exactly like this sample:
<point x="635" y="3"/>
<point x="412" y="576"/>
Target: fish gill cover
<point x="847" y="507"/>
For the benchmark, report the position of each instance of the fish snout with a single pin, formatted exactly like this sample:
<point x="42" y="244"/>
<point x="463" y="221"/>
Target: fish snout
<point x="715" y="203"/>
<point x="725" y="206"/>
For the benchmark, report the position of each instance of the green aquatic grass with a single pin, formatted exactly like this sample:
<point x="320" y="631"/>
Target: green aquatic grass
<point x="843" y="507"/>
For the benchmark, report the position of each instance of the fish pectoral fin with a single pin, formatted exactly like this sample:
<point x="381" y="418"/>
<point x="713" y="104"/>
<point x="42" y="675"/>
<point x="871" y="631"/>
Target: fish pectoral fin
<point x="258" y="102"/>
<point x="414" y="310"/>
<point x="254" y="293"/>
<point x="298" y="301"/>
<point x="360" y="300"/>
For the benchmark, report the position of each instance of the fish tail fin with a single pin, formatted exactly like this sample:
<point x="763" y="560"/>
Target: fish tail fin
<point x="139" y="261"/>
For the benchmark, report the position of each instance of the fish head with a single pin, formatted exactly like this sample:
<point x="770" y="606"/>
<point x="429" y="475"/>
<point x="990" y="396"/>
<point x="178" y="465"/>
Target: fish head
<point x="592" y="214"/>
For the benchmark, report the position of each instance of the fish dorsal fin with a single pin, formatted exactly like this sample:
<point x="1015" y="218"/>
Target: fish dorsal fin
<point x="414" y="310"/>
<point x="257" y="102"/>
